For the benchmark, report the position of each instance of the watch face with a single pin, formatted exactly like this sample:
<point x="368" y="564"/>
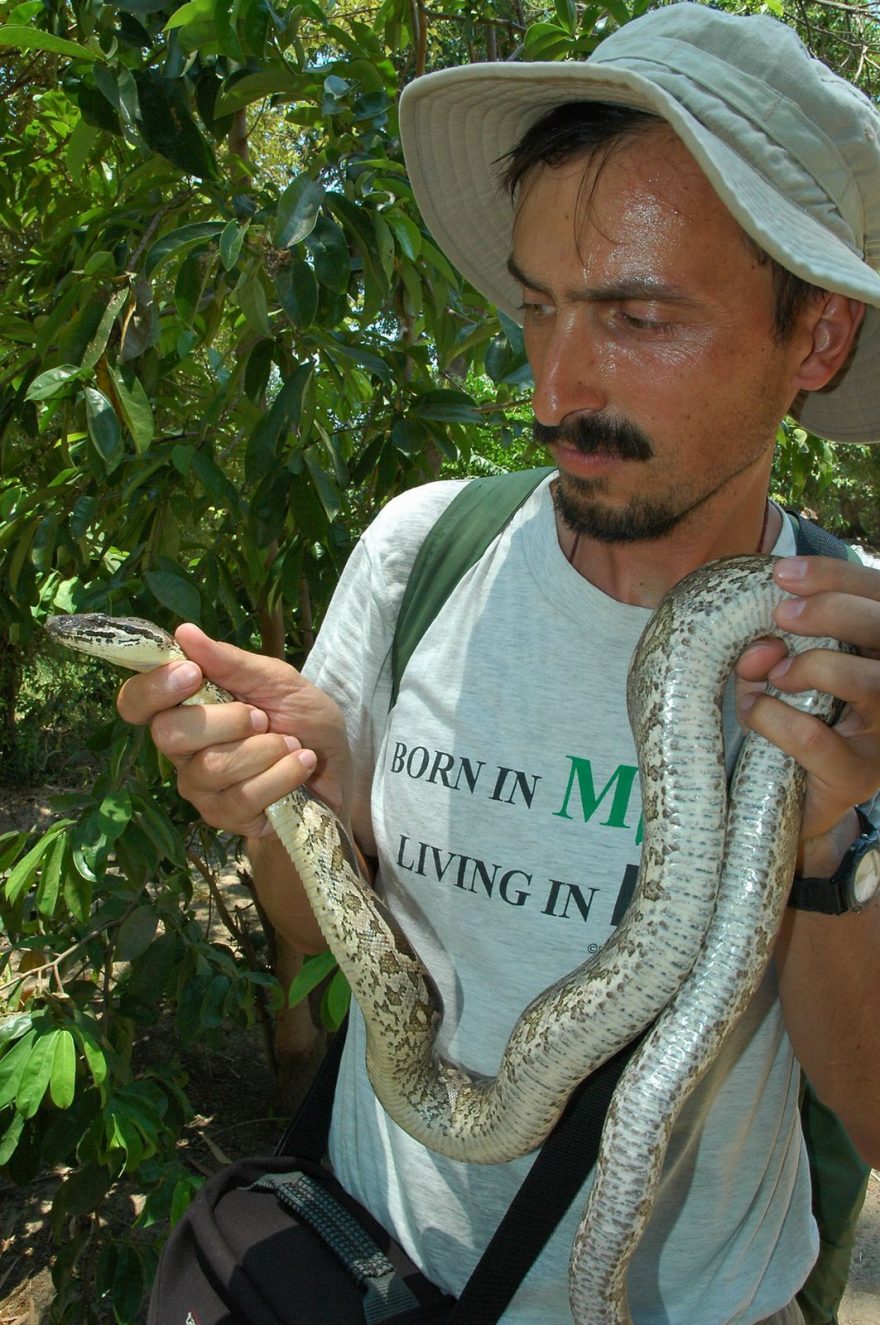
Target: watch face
<point x="866" y="879"/>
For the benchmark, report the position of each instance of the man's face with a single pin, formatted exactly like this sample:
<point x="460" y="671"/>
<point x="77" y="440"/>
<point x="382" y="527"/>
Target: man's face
<point x="649" y="327"/>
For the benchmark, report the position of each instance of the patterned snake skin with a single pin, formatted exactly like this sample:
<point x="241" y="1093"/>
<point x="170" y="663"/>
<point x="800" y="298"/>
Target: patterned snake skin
<point x="692" y="946"/>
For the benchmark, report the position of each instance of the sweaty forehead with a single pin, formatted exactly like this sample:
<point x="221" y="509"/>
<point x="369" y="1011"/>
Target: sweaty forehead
<point x="647" y="198"/>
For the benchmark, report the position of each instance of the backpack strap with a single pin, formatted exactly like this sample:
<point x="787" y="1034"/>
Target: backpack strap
<point x="459" y="537"/>
<point x="813" y="541"/>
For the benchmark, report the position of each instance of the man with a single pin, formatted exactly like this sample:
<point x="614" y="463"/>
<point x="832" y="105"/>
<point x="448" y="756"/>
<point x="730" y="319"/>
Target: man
<point x="498" y="798"/>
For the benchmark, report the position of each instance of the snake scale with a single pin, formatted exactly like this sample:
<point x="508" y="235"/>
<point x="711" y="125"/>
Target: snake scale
<point x="689" y="952"/>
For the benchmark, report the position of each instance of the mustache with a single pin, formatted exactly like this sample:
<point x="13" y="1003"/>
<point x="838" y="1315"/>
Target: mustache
<point x="597" y="434"/>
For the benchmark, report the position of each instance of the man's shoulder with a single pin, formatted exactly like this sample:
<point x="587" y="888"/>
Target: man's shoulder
<point x="393" y="538"/>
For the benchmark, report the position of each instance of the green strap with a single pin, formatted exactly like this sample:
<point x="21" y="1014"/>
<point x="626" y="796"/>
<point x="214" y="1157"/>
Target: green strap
<point x="471" y="521"/>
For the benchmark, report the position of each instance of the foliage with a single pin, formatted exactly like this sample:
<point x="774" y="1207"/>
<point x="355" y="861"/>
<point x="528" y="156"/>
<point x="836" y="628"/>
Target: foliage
<point x="227" y="339"/>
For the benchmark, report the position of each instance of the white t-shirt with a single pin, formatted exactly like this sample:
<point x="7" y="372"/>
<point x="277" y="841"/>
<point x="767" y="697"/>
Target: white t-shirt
<point x="501" y="798"/>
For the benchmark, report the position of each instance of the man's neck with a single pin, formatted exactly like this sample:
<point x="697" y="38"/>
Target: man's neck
<point x="640" y="573"/>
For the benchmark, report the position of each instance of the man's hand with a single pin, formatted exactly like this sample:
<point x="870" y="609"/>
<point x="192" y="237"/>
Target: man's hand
<point x="842" y="600"/>
<point x="233" y="760"/>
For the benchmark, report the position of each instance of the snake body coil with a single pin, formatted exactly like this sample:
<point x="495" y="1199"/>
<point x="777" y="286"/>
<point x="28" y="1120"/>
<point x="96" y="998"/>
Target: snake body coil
<point x="695" y="939"/>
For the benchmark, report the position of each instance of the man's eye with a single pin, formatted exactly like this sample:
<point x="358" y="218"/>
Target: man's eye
<point x="649" y="324"/>
<point x="535" y="309"/>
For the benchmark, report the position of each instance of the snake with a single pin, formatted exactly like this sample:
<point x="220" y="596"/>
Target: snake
<point x="687" y="955"/>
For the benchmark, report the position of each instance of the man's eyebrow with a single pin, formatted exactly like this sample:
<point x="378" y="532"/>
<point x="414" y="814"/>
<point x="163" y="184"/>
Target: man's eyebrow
<point x="634" y="287"/>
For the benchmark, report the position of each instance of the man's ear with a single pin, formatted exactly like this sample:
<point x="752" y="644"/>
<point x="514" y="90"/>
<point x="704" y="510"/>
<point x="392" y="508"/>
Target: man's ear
<point x="831" y="327"/>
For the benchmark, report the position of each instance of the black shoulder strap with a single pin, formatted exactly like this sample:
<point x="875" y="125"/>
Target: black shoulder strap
<point x="307" y="1134"/>
<point x="552" y="1183"/>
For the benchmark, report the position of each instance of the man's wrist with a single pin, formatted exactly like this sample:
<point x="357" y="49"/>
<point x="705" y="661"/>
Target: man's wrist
<point x="820" y="856"/>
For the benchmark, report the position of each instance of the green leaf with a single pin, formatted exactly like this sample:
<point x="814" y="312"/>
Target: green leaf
<point x="50" y="877"/>
<point x="297" y="288"/>
<point x="136" y="933"/>
<point x="213" y="1009"/>
<point x="254" y="87"/>
<point x="194" y="12"/>
<point x="567" y="15"/>
<point x="160" y="831"/>
<point x="81" y="1192"/>
<point x="214" y="481"/>
<point x="409" y="436"/>
<point x="547" y="41"/>
<point x="77" y="886"/>
<point x="36" y="1074"/>
<point x="325" y="487"/>
<point x="254" y="304"/>
<point x="297" y="212"/>
<point x="329" y="249"/>
<point x="11" y="1138"/>
<point x="34" y="39"/>
<point x="314" y="969"/>
<point x="62" y="1078"/>
<point x="175" y="593"/>
<point x="285" y="412"/>
<point x="114" y="811"/>
<point x="231" y="239"/>
<point x="21" y="876"/>
<point x="179" y="241"/>
<point x="11" y="1028"/>
<point x="446" y="407"/>
<point x="407" y="234"/>
<point x="384" y="244"/>
<point x="12" y="1065"/>
<point x="336" y="1001"/>
<point x="92" y="1051"/>
<point x="98" y="343"/>
<point x="359" y="354"/>
<point x="168" y="127"/>
<point x="104" y="428"/>
<point x="53" y="381"/>
<point x="134" y="404"/>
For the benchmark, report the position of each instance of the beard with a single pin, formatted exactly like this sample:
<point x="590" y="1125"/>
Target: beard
<point x="579" y="501"/>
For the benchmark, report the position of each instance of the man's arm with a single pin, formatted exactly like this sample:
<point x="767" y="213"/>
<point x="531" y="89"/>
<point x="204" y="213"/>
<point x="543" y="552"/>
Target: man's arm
<point x="829" y="980"/>
<point x="829" y="966"/>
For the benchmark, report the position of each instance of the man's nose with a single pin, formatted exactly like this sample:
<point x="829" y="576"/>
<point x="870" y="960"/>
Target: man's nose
<point x="567" y="376"/>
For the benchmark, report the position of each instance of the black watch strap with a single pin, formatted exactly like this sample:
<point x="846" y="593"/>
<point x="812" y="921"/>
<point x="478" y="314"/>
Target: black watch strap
<point x="830" y="896"/>
<point x="821" y="895"/>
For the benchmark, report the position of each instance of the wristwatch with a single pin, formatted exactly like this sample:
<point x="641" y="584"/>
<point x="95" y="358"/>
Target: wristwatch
<point x="854" y="883"/>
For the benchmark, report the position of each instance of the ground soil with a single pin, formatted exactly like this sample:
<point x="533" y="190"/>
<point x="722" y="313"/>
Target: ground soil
<point x="239" y="1114"/>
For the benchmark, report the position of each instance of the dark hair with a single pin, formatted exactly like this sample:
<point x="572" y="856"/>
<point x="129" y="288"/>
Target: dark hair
<point x="584" y="128"/>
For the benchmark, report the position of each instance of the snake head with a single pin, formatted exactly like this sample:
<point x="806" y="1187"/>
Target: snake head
<point x="129" y="641"/>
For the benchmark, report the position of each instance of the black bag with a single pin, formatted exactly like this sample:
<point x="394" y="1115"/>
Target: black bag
<point x="278" y="1241"/>
<point x="274" y="1241"/>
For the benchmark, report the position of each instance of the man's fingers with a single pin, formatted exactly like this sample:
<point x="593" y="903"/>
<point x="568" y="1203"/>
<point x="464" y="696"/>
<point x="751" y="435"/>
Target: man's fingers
<point x="240" y="807"/>
<point x="219" y="767"/>
<point x="833" y="597"/>
<point x="840" y="616"/>
<point x="812" y="575"/>
<point x="145" y="695"/>
<point x="180" y="732"/>
<point x="842" y="768"/>
<point x="847" y="676"/>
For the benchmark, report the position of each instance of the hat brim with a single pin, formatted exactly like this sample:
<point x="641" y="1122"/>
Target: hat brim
<point x="458" y="125"/>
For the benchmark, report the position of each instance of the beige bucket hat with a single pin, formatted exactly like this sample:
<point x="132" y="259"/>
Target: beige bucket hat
<point x="792" y="150"/>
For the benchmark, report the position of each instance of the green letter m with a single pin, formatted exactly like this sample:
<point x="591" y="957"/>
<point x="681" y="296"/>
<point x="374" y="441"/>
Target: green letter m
<point x="622" y="780"/>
